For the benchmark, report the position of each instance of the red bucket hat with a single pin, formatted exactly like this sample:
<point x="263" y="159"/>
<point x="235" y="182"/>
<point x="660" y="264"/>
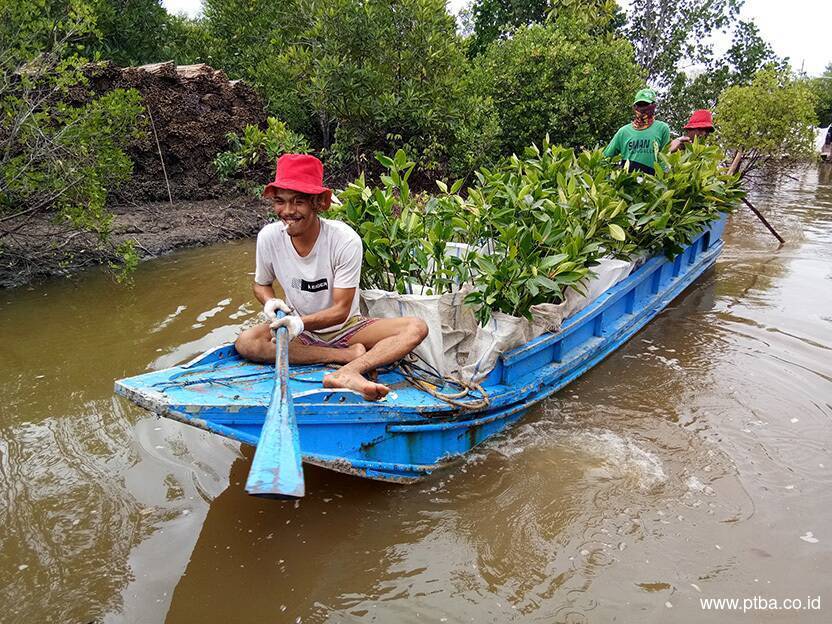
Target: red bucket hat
<point x="298" y="172"/>
<point x="701" y="118"/>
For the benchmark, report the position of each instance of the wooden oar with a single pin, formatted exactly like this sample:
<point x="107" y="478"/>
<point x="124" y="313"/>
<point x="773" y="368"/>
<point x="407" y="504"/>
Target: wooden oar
<point x="276" y="470"/>
<point x="735" y="165"/>
<point x="763" y="220"/>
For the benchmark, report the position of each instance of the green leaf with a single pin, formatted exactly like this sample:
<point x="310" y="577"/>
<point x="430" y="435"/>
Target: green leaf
<point x="547" y="283"/>
<point x="617" y="232"/>
<point x="550" y="262"/>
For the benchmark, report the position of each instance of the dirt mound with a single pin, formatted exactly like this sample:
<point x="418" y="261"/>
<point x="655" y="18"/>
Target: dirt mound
<point x="191" y="108"/>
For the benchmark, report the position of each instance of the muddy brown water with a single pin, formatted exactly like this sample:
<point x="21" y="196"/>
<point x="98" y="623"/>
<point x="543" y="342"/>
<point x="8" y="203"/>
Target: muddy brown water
<point x="693" y="463"/>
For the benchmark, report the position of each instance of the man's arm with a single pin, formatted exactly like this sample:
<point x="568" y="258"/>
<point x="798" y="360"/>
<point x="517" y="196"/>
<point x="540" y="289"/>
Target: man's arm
<point x="333" y="315"/>
<point x="263" y="292"/>
<point x="612" y="148"/>
<point x="678" y="143"/>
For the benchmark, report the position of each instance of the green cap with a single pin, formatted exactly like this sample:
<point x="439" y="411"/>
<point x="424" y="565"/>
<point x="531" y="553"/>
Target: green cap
<point x="645" y="95"/>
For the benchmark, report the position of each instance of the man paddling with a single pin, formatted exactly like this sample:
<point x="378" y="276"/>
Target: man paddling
<point x="699" y="126"/>
<point x="317" y="263"/>
<point x="639" y="140"/>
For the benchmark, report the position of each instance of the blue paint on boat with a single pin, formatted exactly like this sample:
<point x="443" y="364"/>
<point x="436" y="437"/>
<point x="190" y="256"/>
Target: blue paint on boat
<point x="407" y="437"/>
<point x="276" y="470"/>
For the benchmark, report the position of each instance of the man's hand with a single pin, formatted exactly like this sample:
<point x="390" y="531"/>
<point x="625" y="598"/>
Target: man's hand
<point x="293" y="324"/>
<point x="273" y="305"/>
<point x="679" y="143"/>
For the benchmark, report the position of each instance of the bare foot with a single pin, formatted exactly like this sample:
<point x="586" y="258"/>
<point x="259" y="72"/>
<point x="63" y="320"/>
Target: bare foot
<point x="371" y="391"/>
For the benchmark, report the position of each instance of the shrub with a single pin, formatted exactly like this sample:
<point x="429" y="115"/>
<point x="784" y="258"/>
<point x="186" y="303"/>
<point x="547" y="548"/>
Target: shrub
<point x="388" y="75"/>
<point x="772" y="118"/>
<point x="258" y="149"/>
<point x="58" y="157"/>
<point x="360" y="76"/>
<point x="822" y="88"/>
<point x="558" y="80"/>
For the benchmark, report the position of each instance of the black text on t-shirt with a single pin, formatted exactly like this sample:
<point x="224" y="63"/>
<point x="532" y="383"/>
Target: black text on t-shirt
<point x="317" y="285"/>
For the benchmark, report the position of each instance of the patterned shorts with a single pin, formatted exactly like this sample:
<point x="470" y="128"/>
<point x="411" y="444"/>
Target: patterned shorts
<point x="338" y="338"/>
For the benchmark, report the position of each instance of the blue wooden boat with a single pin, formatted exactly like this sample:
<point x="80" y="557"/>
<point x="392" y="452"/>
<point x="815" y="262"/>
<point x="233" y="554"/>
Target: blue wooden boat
<point x="412" y="434"/>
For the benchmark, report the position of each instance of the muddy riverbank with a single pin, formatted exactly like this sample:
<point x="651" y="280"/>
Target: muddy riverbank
<point x="43" y="249"/>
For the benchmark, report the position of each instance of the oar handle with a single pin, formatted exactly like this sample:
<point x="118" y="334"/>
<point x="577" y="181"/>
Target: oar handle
<point x="279" y="314"/>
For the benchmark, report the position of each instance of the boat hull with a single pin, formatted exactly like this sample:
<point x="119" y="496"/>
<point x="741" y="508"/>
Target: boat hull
<point x="413" y="434"/>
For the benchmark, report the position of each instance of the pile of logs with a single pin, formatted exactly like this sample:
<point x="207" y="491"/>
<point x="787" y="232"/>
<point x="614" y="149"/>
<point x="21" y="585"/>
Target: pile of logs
<point x="188" y="110"/>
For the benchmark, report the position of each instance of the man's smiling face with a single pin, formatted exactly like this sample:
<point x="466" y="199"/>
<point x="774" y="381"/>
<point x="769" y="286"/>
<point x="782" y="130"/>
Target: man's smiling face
<point x="296" y="210"/>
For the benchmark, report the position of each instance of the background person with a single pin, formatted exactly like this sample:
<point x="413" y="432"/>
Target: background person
<point x="700" y="125"/>
<point x="638" y="142"/>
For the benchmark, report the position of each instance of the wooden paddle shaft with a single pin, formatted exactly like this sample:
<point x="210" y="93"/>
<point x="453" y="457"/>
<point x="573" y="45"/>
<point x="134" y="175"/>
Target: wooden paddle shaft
<point x="735" y="165"/>
<point x="763" y="219"/>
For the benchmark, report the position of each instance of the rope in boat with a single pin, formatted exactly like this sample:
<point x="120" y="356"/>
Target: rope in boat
<point x="168" y="384"/>
<point x="426" y="379"/>
<point x="430" y="380"/>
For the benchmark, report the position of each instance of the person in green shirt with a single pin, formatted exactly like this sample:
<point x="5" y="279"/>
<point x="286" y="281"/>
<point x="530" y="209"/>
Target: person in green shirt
<point x="638" y="141"/>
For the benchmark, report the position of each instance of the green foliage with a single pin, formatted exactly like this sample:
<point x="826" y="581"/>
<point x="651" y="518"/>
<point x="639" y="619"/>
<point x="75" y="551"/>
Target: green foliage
<point x="127" y="259"/>
<point x="667" y="210"/>
<point x="530" y="227"/>
<point x="187" y="41"/>
<point x="29" y="28"/>
<point x="133" y="32"/>
<point x="387" y="75"/>
<point x="597" y="18"/>
<point x="665" y="33"/>
<point x="64" y="158"/>
<point x="553" y="213"/>
<point x="128" y="32"/>
<point x="822" y="88"/>
<point x="748" y="53"/>
<point x="494" y="19"/>
<point x="473" y="140"/>
<point x="57" y="158"/>
<point x="246" y="32"/>
<point x="544" y="226"/>
<point x="258" y="146"/>
<point x="251" y="39"/>
<point x="771" y="118"/>
<point x="557" y="80"/>
<point x="359" y="76"/>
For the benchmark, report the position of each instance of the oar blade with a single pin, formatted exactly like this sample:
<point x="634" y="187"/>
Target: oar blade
<point x="276" y="470"/>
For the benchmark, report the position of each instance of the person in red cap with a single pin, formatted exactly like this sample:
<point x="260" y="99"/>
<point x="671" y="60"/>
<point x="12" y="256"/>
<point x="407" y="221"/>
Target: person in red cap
<point x="317" y="263"/>
<point x="700" y="125"/>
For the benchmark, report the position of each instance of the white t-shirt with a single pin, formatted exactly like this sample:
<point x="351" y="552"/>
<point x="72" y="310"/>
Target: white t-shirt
<point x="307" y="281"/>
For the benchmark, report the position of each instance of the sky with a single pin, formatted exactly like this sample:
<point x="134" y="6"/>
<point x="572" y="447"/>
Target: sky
<point x="798" y="29"/>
